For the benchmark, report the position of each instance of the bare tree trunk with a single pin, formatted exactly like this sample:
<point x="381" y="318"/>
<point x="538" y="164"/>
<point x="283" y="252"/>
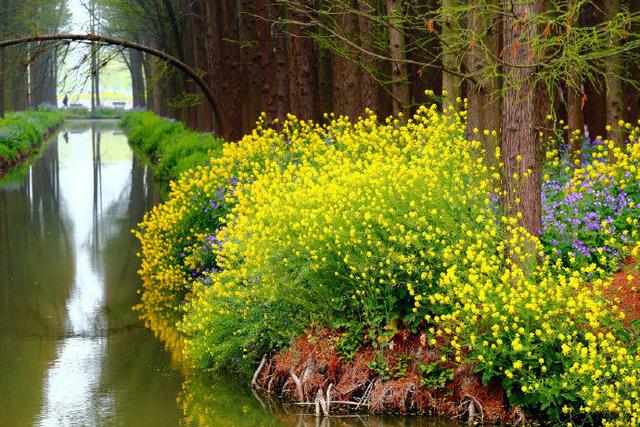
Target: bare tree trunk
<point x="484" y="108"/>
<point x="137" y="79"/>
<point x="521" y="152"/>
<point x="370" y="89"/>
<point x="267" y="58"/>
<point x="282" y="83"/>
<point x="346" y="73"/>
<point x="615" y="92"/>
<point x="575" y="91"/>
<point x="229" y="35"/>
<point x="250" y="65"/>
<point x="303" y="74"/>
<point x="575" y="116"/>
<point x="400" y="85"/>
<point x="153" y="86"/>
<point x="451" y="84"/>
<point x="2" y="73"/>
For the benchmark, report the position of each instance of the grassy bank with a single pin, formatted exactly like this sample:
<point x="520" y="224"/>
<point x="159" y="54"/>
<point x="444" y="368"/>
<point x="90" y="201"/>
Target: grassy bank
<point x="22" y="135"/>
<point x="86" y="114"/>
<point x="168" y="146"/>
<point x="375" y="257"/>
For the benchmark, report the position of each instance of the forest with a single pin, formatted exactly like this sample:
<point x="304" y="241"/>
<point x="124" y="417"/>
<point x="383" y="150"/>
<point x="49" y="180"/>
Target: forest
<point x="426" y="208"/>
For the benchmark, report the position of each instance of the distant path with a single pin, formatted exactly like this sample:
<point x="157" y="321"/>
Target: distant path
<point x="95" y="38"/>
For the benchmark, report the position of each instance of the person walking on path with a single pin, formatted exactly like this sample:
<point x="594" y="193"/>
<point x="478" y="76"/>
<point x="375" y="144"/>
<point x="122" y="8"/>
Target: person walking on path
<point x="65" y="101"/>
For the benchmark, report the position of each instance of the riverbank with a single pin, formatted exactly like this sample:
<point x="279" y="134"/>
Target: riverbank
<point x="22" y="135"/>
<point x="168" y="146"/>
<point x="387" y="238"/>
<point x="102" y="113"/>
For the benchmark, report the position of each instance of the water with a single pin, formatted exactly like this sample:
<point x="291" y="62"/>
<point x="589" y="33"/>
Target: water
<point x="72" y="351"/>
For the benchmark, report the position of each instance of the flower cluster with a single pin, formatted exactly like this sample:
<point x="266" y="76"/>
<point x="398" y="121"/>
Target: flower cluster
<point x="591" y="205"/>
<point x="395" y="226"/>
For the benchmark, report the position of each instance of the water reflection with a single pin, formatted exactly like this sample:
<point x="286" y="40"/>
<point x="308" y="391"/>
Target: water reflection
<point x="71" y="350"/>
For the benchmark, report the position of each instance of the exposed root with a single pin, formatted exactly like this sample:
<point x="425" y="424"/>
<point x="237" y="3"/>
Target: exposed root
<point x="330" y="387"/>
<point x="298" y="383"/>
<point x="473" y="408"/>
<point x="254" y="380"/>
<point x="518" y="417"/>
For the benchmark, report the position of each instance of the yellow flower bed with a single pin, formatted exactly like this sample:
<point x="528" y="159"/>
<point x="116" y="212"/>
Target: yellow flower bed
<point x="392" y="226"/>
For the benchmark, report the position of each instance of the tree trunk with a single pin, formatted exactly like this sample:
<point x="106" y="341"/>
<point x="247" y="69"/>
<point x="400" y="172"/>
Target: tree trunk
<point x="484" y="108"/>
<point x="303" y="74"/>
<point x="97" y="79"/>
<point x="229" y="34"/>
<point x="575" y="92"/>
<point x="615" y="92"/>
<point x="451" y="32"/>
<point x="2" y="72"/>
<point x="137" y="79"/>
<point x="152" y="85"/>
<point x="250" y="65"/>
<point x="266" y="48"/>
<point x="369" y="88"/>
<point x="400" y="85"/>
<point x="346" y="73"/>
<point x="575" y="116"/>
<point x="282" y="82"/>
<point x="521" y="152"/>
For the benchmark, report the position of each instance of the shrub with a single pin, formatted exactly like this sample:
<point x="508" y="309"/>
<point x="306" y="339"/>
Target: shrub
<point x="22" y="133"/>
<point x="168" y="145"/>
<point x="397" y="228"/>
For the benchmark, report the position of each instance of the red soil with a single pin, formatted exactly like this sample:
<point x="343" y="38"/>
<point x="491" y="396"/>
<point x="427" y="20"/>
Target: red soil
<point x="625" y="293"/>
<point x="314" y="361"/>
<point x="315" y="355"/>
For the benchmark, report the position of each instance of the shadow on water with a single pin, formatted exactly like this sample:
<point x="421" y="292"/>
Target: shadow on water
<point x="72" y="350"/>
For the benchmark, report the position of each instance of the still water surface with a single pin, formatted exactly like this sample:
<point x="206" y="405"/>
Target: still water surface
<point x="72" y="351"/>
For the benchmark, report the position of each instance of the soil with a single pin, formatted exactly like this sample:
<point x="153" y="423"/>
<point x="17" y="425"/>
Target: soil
<point x="625" y="293"/>
<point x="313" y="362"/>
<point x="7" y="165"/>
<point x="354" y="385"/>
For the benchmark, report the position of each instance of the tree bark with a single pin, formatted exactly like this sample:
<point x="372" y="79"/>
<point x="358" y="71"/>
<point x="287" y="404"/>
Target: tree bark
<point x="400" y="85"/>
<point x="451" y="32"/>
<point x="266" y="53"/>
<point x="2" y="73"/>
<point x="615" y="91"/>
<point x="346" y="73"/>
<point x="575" y="116"/>
<point x="521" y="152"/>
<point x="575" y="93"/>
<point x="137" y="79"/>
<point x="369" y="88"/>
<point x="483" y="91"/>
<point x="303" y="73"/>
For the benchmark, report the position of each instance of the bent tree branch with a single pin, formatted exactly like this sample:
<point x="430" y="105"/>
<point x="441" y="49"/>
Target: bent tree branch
<point x="104" y="40"/>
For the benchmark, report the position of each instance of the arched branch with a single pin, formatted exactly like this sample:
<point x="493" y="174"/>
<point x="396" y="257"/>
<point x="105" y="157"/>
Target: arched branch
<point x="95" y="38"/>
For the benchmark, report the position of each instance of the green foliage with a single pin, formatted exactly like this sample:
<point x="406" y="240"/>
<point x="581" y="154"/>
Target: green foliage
<point x="168" y="145"/>
<point x="435" y="376"/>
<point x="351" y="340"/>
<point x="21" y="134"/>
<point x="100" y="113"/>
<point x="389" y="370"/>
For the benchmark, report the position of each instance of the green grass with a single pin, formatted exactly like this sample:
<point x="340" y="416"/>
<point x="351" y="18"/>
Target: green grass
<point x="22" y="134"/>
<point x="167" y="145"/>
<point x="85" y="113"/>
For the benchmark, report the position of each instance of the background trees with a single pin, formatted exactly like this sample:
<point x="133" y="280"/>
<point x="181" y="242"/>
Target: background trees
<point x="516" y="63"/>
<point x="20" y="89"/>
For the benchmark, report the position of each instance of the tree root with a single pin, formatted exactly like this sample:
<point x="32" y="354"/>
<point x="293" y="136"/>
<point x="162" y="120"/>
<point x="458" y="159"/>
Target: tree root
<point x="254" y="380"/>
<point x="470" y="405"/>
